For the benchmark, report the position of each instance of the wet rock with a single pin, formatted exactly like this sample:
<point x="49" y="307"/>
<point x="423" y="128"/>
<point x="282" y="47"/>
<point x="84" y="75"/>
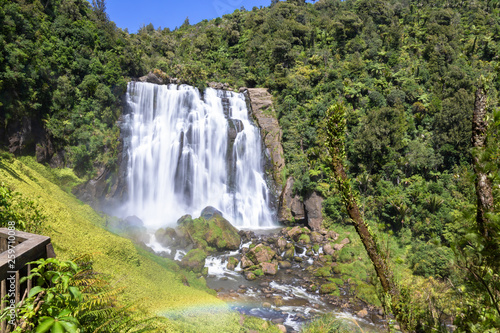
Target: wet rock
<point x="241" y="291"/>
<point x="298" y="259"/>
<point x="332" y="235"/>
<point x="269" y="268"/>
<point x="278" y="300"/>
<point x="289" y="254"/>
<point x="296" y="232"/>
<point x="232" y="262"/>
<point x="264" y="284"/>
<point x="313" y="204"/>
<point x="282" y="328"/>
<point x="266" y="305"/>
<point x="362" y="313"/>
<point x="194" y="260"/>
<point x="316" y="237"/>
<point x="328" y="250"/>
<point x="250" y="276"/>
<point x="261" y="253"/>
<point x="243" y="286"/>
<point x="278" y="321"/>
<point x="285" y="264"/>
<point x="281" y="244"/>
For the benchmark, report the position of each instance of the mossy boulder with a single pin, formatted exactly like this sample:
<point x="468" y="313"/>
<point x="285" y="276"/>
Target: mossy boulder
<point x="324" y="271"/>
<point x="269" y="268"/>
<point x="329" y="288"/>
<point x="194" y="260"/>
<point x="232" y="262"/>
<point x="304" y="239"/>
<point x="296" y="232"/>
<point x="210" y="232"/>
<point x="261" y="253"/>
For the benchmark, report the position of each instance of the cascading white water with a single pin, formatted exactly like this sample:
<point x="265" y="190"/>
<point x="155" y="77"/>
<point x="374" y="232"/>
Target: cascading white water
<point x="186" y="153"/>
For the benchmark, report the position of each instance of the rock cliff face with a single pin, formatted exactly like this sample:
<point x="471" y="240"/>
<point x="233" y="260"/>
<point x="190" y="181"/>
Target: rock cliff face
<point x="292" y="208"/>
<point x="261" y="102"/>
<point x="109" y="188"/>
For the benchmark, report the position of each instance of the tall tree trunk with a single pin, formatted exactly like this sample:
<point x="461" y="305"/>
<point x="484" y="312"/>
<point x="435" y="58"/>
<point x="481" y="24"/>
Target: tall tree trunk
<point x="336" y="127"/>
<point x="483" y="183"/>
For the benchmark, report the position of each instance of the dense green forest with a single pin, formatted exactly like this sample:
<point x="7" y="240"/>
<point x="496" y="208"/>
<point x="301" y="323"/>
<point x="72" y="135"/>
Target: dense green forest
<point x="406" y="70"/>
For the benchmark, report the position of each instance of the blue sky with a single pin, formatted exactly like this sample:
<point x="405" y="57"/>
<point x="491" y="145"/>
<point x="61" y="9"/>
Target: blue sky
<point x="170" y="14"/>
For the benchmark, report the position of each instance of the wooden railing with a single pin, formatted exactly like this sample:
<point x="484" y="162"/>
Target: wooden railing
<point x="17" y="249"/>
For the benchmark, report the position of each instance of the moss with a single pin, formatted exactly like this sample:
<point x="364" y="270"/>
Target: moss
<point x="258" y="272"/>
<point x="324" y="271"/>
<point x="367" y="293"/>
<point x="194" y="260"/>
<point x="329" y="288"/>
<point x="316" y="248"/>
<point x="304" y="239"/>
<point x="211" y="235"/>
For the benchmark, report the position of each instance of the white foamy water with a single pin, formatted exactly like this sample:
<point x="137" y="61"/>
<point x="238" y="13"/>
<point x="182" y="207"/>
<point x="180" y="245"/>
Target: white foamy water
<point x="187" y="152"/>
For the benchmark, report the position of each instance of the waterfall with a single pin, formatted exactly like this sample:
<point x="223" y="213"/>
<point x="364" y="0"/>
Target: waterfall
<point x="186" y="152"/>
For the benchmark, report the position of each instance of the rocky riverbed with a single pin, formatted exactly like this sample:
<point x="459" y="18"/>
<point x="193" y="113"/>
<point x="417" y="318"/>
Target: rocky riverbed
<point x="286" y="275"/>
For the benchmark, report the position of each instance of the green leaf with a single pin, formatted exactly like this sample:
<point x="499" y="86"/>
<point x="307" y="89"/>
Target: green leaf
<point x="75" y="292"/>
<point x="64" y="313"/>
<point x="57" y="328"/>
<point x="34" y="291"/>
<point x="69" y="327"/>
<point x="45" y="325"/>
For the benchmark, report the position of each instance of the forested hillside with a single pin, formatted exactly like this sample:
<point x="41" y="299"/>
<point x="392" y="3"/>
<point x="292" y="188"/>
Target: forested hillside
<point x="406" y="70"/>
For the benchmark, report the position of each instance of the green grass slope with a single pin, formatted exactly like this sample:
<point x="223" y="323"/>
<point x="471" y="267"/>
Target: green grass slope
<point x="152" y="282"/>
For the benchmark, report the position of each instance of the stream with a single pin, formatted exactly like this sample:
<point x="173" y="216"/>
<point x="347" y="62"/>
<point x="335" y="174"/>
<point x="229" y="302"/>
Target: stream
<point x="284" y="298"/>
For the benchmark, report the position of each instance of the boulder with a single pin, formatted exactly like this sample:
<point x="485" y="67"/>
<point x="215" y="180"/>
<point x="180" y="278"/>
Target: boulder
<point x="261" y="253"/>
<point x="328" y="288"/>
<point x="194" y="260"/>
<point x="250" y="276"/>
<point x="291" y="207"/>
<point x="313" y="204"/>
<point x="281" y="244"/>
<point x="296" y="232"/>
<point x="328" y="249"/>
<point x="211" y="231"/>
<point x="269" y="268"/>
<point x="232" y="262"/>
<point x="285" y="264"/>
<point x="245" y="262"/>
<point x="316" y="237"/>
<point x="338" y="247"/>
<point x="332" y="235"/>
<point x="362" y="313"/>
<point x="261" y="102"/>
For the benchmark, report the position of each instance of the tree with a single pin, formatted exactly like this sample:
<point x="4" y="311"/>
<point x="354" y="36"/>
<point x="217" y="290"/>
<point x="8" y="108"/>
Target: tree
<point x="336" y="128"/>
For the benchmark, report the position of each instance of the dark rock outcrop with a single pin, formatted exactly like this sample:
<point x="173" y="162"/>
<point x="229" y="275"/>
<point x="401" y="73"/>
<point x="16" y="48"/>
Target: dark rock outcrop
<point x="261" y="102"/>
<point x="291" y="207"/>
<point x="106" y="191"/>
<point x="313" y="205"/>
